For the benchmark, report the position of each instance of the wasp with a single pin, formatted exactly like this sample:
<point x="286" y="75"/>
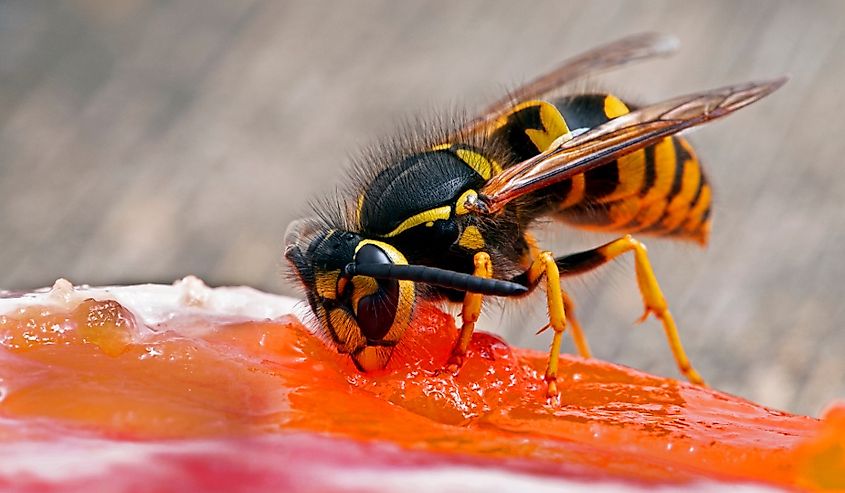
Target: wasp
<point x="447" y="216"/>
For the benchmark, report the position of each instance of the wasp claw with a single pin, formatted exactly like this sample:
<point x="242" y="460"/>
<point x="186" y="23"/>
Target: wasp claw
<point x="454" y="364"/>
<point x="552" y="393"/>
<point x="644" y="316"/>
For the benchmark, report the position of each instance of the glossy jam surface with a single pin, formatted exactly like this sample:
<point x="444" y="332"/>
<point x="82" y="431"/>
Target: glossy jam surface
<point x="95" y="371"/>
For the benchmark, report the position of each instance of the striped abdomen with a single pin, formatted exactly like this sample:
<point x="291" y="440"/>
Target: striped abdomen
<point x="658" y="190"/>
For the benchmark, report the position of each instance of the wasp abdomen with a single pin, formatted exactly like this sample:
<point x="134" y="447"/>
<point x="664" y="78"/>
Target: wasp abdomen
<point x="659" y="190"/>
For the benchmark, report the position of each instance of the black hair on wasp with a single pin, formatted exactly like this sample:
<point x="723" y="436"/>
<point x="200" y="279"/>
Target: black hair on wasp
<point x="409" y="136"/>
<point x="412" y="135"/>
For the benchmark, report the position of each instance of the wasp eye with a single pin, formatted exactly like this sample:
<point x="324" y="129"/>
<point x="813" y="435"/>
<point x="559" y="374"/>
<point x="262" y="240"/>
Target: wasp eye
<point x="376" y="308"/>
<point x="371" y="254"/>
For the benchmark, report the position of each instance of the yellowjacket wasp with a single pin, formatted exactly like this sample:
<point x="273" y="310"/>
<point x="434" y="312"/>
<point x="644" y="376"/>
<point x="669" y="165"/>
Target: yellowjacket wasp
<point x="447" y="216"/>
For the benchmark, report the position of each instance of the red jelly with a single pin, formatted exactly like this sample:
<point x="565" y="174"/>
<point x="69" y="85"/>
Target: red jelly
<point x="92" y="393"/>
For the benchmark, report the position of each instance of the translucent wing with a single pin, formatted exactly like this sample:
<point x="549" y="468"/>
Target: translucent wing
<point x="615" y="54"/>
<point x="573" y="155"/>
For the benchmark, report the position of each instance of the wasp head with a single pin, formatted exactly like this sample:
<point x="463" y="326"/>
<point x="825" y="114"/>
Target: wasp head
<point x="365" y="317"/>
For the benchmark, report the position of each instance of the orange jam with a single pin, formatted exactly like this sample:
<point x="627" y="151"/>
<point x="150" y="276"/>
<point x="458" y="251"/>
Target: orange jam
<point x="96" y="371"/>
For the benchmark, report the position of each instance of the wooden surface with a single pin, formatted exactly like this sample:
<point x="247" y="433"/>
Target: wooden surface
<point x="142" y="141"/>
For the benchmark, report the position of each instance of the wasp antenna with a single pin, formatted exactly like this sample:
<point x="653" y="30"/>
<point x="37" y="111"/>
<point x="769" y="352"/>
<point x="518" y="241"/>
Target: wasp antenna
<point x="437" y="277"/>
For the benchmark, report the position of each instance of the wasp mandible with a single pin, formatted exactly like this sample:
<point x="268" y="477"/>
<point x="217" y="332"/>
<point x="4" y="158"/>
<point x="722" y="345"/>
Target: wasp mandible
<point x="446" y="216"/>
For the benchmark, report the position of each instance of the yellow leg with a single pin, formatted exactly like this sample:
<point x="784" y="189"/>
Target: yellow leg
<point x="470" y="312"/>
<point x="577" y="333"/>
<point x="569" y="307"/>
<point x="544" y="263"/>
<point x="653" y="299"/>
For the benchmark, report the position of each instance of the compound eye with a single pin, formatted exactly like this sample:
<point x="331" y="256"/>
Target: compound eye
<point x="371" y="254"/>
<point x="376" y="308"/>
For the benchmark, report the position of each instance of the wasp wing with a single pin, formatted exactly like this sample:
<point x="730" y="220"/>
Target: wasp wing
<point x="573" y="155"/>
<point x="615" y="54"/>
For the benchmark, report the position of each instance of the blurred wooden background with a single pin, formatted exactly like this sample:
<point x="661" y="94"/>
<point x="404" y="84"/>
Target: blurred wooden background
<point x="145" y="140"/>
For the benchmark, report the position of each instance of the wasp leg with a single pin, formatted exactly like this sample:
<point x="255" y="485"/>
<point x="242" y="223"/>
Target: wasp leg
<point x="653" y="299"/>
<point x="470" y="312"/>
<point x="577" y="333"/>
<point x="568" y="305"/>
<point x="544" y="263"/>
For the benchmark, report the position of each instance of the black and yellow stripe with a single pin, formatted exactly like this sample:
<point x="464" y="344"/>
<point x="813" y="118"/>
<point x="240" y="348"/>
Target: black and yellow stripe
<point x="658" y="190"/>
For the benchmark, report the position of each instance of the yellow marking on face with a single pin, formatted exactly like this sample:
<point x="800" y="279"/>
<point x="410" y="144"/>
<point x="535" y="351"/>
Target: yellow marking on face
<point x="554" y="126"/>
<point x="346" y="329"/>
<point x="476" y="161"/>
<point x="325" y="283"/>
<point x="391" y="251"/>
<point x="430" y="215"/>
<point x="441" y="147"/>
<point x="614" y="107"/>
<point x="362" y="286"/>
<point x="471" y="238"/>
<point x="407" y="296"/>
<point x="460" y="205"/>
<point x="373" y="358"/>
